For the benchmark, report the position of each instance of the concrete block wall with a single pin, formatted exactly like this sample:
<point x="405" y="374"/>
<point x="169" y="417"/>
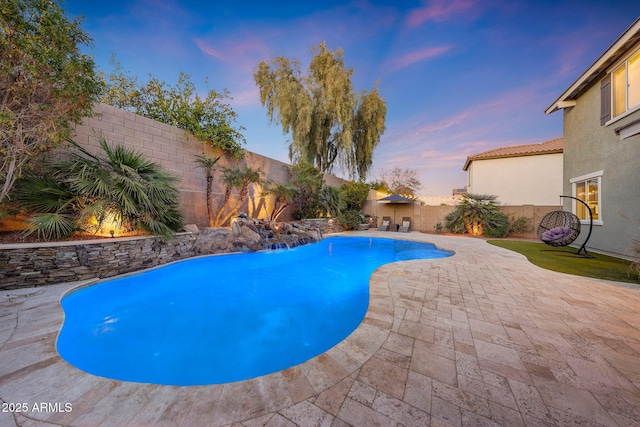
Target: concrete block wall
<point x="425" y="217"/>
<point x="175" y="149"/>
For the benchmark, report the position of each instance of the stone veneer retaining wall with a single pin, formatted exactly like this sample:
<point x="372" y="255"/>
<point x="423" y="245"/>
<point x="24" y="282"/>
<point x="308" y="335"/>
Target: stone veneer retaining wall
<point x="32" y="264"/>
<point x="26" y="265"/>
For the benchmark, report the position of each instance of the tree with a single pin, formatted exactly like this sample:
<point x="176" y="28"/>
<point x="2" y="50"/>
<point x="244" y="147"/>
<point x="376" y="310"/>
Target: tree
<point x="354" y="195"/>
<point x="46" y="84"/>
<point x="239" y="179"/>
<point x="399" y="181"/>
<point x="209" y="119"/>
<point x="328" y="122"/>
<point x="283" y="194"/>
<point x="306" y="181"/>
<point x="207" y="163"/>
<point x="118" y="184"/>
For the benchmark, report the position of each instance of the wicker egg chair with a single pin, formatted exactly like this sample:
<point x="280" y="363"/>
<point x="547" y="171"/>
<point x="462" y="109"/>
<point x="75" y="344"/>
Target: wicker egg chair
<point x="561" y="228"/>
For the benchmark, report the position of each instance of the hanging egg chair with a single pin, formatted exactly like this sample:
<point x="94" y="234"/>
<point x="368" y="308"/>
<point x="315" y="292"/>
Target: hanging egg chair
<point x="561" y="228"/>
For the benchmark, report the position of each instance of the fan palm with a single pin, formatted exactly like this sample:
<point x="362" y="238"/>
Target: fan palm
<point x="118" y="183"/>
<point x="478" y="214"/>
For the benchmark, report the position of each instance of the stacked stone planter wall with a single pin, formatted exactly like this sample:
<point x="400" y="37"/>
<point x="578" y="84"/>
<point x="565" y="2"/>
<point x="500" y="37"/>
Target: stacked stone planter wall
<point x="32" y="264"/>
<point x="324" y="225"/>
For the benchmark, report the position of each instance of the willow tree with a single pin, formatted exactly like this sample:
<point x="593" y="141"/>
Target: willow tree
<point x="329" y="123"/>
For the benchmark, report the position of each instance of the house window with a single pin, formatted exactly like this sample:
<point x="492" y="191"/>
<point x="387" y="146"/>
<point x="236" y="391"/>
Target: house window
<point x="588" y="188"/>
<point x="626" y="85"/>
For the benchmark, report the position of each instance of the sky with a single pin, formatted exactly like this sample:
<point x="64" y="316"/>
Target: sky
<point x="459" y="77"/>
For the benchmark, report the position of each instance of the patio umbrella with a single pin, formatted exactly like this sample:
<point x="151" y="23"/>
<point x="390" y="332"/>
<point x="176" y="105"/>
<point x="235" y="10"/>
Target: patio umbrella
<point x="395" y="199"/>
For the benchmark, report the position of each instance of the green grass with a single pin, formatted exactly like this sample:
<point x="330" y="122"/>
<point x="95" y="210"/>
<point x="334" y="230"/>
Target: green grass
<point x="565" y="260"/>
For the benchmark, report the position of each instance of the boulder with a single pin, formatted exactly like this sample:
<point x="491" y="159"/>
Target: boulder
<point x="213" y="241"/>
<point x="246" y="235"/>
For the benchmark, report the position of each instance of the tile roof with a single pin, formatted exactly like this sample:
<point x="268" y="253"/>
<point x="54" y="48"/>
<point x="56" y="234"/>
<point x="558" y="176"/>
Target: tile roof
<point x="548" y="147"/>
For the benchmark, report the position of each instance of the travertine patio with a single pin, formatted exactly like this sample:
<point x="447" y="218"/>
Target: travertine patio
<point x="478" y="339"/>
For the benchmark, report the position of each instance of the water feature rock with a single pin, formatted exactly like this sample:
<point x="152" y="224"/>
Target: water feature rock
<point x="213" y="240"/>
<point x="246" y="235"/>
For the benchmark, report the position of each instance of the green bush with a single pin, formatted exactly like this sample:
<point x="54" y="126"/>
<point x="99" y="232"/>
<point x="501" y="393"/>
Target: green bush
<point x="495" y="225"/>
<point x="354" y="194"/>
<point x="351" y="219"/>
<point x="520" y="225"/>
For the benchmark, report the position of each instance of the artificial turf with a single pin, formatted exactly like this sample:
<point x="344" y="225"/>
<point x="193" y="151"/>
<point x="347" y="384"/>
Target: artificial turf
<point x="565" y="260"/>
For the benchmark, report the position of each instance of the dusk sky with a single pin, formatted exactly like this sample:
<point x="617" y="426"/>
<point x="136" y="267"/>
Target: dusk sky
<point x="459" y="77"/>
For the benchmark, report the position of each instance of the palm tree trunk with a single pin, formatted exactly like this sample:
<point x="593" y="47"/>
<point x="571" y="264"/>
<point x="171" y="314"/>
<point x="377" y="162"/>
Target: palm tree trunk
<point x="210" y="199"/>
<point x="244" y="191"/>
<point x="227" y="196"/>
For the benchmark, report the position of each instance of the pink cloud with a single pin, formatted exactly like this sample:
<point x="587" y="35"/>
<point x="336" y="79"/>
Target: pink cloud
<point x="209" y="50"/>
<point x="417" y="56"/>
<point x="249" y="97"/>
<point x="438" y="10"/>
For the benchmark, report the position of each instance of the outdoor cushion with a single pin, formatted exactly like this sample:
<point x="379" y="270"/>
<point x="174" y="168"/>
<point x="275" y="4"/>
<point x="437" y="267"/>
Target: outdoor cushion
<point x="555" y="234"/>
<point x="385" y="223"/>
<point x="406" y="223"/>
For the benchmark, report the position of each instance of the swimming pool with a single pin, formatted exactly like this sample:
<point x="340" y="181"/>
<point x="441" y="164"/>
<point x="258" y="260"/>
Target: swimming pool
<point x="225" y="318"/>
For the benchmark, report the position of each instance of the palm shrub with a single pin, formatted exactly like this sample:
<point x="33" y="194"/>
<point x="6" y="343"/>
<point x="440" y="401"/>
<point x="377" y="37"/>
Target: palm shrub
<point x="116" y="183"/>
<point x="478" y="214"/>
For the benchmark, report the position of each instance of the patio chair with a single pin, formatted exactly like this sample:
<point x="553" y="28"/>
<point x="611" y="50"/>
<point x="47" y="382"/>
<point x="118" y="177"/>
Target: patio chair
<point x="406" y="225"/>
<point x="386" y="220"/>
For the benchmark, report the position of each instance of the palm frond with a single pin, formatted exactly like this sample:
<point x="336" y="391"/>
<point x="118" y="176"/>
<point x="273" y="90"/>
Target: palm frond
<point x="52" y="225"/>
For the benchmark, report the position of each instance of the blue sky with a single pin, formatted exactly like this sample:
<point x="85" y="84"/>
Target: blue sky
<point x="459" y="77"/>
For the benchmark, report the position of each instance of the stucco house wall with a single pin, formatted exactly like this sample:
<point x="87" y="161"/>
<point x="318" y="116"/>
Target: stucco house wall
<point x="604" y="148"/>
<point x="589" y="148"/>
<point x="526" y="180"/>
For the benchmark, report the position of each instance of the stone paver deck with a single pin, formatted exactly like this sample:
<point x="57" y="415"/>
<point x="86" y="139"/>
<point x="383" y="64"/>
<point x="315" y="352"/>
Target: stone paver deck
<point x="483" y="338"/>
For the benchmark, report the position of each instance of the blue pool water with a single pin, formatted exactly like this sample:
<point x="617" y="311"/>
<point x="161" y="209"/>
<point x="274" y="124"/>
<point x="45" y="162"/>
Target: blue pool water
<point x="226" y="318"/>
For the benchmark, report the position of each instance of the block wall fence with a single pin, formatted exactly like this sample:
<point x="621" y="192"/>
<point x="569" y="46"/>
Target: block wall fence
<point x="424" y="218"/>
<point x="175" y="149"/>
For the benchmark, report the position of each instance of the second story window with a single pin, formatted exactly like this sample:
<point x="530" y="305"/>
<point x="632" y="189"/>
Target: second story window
<point x="626" y="85"/>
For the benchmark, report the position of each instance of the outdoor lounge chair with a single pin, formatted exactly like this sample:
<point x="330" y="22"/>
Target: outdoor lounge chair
<point x="405" y="227"/>
<point x="386" y="220"/>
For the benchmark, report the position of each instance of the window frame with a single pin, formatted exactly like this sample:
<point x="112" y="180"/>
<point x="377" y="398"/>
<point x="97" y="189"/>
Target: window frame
<point x="585" y="178"/>
<point x="612" y="87"/>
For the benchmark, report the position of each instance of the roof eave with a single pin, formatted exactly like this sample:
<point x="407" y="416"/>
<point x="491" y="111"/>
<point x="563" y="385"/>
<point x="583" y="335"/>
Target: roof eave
<point x="567" y="98"/>
<point x="512" y="156"/>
